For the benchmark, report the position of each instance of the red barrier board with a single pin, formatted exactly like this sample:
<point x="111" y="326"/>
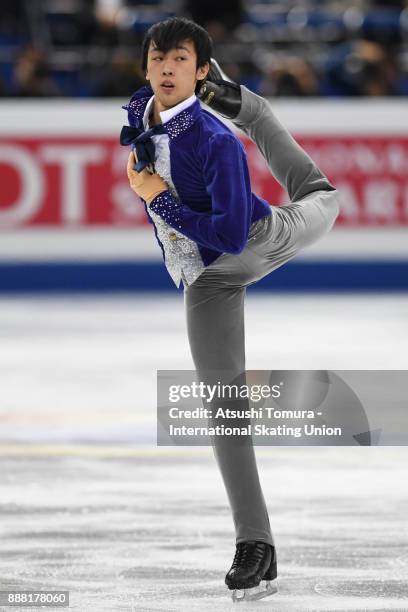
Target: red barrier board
<point x="82" y="181"/>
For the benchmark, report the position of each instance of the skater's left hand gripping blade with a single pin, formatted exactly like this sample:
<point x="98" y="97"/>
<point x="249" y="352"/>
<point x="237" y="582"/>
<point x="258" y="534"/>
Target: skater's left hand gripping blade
<point x="146" y="185"/>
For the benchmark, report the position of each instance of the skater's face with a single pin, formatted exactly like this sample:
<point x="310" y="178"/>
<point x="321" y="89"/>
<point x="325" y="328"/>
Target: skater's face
<point x="173" y="75"/>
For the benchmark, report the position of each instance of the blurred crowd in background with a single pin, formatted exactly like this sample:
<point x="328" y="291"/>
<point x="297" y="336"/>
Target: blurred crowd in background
<point x="85" y="48"/>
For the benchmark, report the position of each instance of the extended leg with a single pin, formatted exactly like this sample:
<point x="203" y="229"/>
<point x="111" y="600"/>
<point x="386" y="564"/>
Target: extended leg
<point x="288" y="162"/>
<point x="314" y="201"/>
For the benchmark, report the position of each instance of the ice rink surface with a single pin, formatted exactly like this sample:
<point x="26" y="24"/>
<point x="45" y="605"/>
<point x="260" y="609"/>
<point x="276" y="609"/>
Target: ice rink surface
<point x="89" y="504"/>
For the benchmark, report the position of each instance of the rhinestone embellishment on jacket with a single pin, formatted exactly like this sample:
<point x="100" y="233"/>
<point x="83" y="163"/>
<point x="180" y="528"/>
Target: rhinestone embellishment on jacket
<point x="179" y="124"/>
<point x="165" y="206"/>
<point x="137" y="107"/>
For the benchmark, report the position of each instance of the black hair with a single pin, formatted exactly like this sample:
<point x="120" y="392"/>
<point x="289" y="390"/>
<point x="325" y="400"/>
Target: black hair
<point x="168" y="34"/>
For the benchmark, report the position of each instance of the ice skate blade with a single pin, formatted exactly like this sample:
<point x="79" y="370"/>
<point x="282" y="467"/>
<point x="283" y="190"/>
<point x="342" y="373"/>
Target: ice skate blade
<point x="264" y="589"/>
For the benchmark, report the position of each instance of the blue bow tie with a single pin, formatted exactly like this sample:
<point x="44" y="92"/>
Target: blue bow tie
<point x="142" y="142"/>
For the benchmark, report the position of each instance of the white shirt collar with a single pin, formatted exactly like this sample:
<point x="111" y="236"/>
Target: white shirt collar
<point x="168" y="114"/>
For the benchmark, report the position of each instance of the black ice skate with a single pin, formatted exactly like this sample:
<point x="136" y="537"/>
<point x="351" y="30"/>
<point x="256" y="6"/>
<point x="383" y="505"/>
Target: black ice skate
<point x="253" y="571"/>
<point x="220" y="93"/>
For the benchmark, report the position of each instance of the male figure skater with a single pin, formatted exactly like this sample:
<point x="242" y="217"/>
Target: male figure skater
<point x="217" y="236"/>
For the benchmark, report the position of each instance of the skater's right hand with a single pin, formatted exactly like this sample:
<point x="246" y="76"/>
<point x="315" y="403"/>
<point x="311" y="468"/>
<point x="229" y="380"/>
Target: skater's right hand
<point x="146" y="185"/>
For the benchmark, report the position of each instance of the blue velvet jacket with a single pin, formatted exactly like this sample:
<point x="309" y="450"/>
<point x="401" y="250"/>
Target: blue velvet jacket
<point x="216" y="206"/>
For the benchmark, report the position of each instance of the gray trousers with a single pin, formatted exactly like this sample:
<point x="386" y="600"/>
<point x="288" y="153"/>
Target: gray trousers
<point x="214" y="303"/>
